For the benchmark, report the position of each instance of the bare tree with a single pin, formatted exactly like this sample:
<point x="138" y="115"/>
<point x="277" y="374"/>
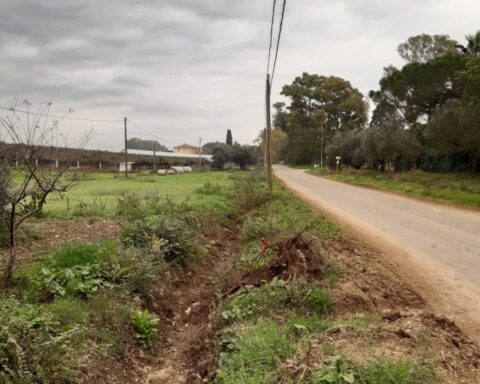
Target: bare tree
<point x="31" y="168"/>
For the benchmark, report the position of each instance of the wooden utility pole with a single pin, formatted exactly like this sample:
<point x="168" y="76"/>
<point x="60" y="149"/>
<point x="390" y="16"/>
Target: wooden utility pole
<point x="265" y="149"/>
<point x="200" y="154"/>
<point x="154" y="158"/>
<point x="268" y="135"/>
<point x="126" y="151"/>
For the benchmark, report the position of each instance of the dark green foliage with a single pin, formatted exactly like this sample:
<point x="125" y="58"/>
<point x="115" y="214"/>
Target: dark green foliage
<point x="470" y="78"/>
<point x="472" y="48"/>
<point x="348" y="145"/>
<point x="209" y="148"/>
<point x="320" y="107"/>
<point x="148" y="145"/>
<point x="229" y="139"/>
<point x="238" y="154"/>
<point x="410" y="95"/>
<point x="464" y="139"/>
<point x="390" y="148"/>
<point x="426" y="112"/>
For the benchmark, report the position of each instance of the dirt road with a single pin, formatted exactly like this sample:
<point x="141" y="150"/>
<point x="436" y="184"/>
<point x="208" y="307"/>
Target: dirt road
<point x="435" y="247"/>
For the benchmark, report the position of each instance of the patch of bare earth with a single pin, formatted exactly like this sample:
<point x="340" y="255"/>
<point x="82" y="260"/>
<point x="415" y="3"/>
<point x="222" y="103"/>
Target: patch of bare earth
<point x="44" y="235"/>
<point x="188" y="339"/>
<point x="405" y="327"/>
<point x="384" y="317"/>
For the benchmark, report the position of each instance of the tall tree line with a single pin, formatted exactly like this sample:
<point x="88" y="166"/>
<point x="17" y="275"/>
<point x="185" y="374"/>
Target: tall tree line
<point x="426" y="114"/>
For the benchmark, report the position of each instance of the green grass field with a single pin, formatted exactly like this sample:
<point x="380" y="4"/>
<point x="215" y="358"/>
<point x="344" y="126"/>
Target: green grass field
<point x="98" y="194"/>
<point x="455" y="188"/>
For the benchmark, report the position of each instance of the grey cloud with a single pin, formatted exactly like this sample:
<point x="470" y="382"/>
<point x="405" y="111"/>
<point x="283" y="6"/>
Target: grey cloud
<point x="196" y="67"/>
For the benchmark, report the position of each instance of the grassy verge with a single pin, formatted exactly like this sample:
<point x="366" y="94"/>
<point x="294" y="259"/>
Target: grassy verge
<point x="277" y="330"/>
<point x="100" y="193"/>
<point x="93" y="312"/>
<point x="84" y="307"/>
<point x="460" y="189"/>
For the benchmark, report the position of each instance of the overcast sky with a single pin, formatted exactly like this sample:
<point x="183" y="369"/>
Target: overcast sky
<point x="184" y="69"/>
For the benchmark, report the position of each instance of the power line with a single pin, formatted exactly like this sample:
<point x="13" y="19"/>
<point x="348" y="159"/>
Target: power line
<point x="278" y="39"/>
<point x="151" y="134"/>
<point x="271" y="35"/>
<point x="165" y="140"/>
<point x="11" y="109"/>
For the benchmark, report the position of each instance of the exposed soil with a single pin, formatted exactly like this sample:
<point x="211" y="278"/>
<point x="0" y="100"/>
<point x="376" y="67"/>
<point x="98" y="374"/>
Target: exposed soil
<point x="405" y="327"/>
<point x="44" y="235"/>
<point x="292" y="258"/>
<point x="188" y="336"/>
<point x="368" y="285"/>
<point x="187" y="350"/>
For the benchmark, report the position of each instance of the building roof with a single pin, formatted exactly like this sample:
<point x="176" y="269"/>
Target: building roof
<point x="184" y="145"/>
<point x="177" y="155"/>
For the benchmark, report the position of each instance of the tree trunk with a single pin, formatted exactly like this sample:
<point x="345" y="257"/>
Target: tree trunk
<point x="476" y="157"/>
<point x="11" y="254"/>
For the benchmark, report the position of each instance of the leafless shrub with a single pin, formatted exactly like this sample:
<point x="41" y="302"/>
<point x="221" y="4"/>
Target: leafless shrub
<point x="31" y="168"/>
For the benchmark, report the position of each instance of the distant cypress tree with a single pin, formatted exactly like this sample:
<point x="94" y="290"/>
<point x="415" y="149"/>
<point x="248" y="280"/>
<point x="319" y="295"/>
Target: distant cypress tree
<point x="229" y="137"/>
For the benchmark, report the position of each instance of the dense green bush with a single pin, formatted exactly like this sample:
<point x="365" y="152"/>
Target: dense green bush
<point x="34" y="348"/>
<point x="169" y="237"/>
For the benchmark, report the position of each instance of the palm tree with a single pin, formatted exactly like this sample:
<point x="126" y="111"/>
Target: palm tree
<point x="473" y="45"/>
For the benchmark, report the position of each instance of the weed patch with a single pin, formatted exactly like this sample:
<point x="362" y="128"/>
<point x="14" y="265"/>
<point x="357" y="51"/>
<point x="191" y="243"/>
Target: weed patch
<point x="339" y="370"/>
<point x="33" y="346"/>
<point x="145" y="325"/>
<point x="254" y="353"/>
<point x="167" y="237"/>
<point x="276" y="296"/>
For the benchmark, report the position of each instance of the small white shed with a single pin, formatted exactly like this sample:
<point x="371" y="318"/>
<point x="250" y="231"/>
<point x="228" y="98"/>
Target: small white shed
<point x="121" y="166"/>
